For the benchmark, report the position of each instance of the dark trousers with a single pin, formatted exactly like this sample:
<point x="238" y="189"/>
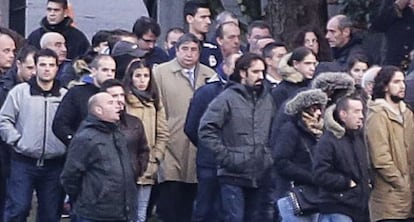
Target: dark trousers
<point x="25" y="177"/>
<point x="240" y="204"/>
<point x="4" y="174"/>
<point x="176" y="200"/>
<point x="267" y="210"/>
<point x="207" y="205"/>
<point x="82" y="219"/>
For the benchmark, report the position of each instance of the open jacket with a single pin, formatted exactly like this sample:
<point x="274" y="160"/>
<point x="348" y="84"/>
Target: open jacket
<point x="26" y="120"/>
<point x="156" y="131"/>
<point x="236" y="128"/>
<point x="339" y="157"/>
<point x="391" y="145"/>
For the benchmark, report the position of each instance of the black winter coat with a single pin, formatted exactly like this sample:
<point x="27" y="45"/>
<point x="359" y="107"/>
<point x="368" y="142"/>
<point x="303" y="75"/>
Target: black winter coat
<point x="341" y="156"/>
<point x="72" y="110"/>
<point x="98" y="174"/>
<point x="292" y="154"/>
<point x="76" y="42"/>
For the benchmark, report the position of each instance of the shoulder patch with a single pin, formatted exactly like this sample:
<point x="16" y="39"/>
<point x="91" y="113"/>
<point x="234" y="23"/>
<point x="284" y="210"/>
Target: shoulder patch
<point x="209" y="45"/>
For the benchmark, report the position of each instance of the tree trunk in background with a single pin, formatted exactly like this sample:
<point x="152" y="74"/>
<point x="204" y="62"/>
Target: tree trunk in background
<point x="287" y="17"/>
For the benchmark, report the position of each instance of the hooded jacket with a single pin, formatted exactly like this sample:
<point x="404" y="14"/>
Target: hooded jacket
<point x="236" y="128"/>
<point x="26" y="120"/>
<point x="98" y="174"/>
<point x="391" y="145"/>
<point x="339" y="157"/>
<point x="76" y="42"/>
<point x="293" y="80"/>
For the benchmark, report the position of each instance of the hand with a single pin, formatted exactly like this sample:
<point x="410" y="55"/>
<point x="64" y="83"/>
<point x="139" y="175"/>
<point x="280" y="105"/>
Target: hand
<point x="352" y="184"/>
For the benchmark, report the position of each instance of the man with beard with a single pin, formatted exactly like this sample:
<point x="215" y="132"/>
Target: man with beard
<point x="56" y="20"/>
<point x="235" y="127"/>
<point x="390" y="130"/>
<point x="37" y="155"/>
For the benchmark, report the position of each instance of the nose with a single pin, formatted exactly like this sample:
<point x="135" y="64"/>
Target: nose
<point x="208" y="20"/>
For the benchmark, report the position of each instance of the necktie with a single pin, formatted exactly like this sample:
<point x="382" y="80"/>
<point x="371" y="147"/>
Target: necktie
<point x="190" y="76"/>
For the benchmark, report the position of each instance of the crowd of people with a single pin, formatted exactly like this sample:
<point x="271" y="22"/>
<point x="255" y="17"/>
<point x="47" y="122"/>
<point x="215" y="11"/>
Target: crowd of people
<point x="119" y="129"/>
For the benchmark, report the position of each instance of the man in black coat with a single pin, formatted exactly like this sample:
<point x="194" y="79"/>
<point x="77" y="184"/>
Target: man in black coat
<point x="56" y="20"/>
<point x="98" y="174"/>
<point x="340" y="164"/>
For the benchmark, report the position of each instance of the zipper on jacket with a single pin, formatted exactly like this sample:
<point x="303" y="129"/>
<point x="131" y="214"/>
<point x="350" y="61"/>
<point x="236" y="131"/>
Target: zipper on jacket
<point x="41" y="160"/>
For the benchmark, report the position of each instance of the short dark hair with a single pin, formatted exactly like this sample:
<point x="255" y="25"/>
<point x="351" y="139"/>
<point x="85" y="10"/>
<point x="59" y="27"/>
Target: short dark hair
<point x="188" y="37"/>
<point x="267" y="51"/>
<point x="174" y="29"/>
<point x="99" y="37"/>
<point x="46" y="53"/>
<point x="109" y="83"/>
<point x="191" y="7"/>
<point x="243" y="63"/>
<point x="64" y="3"/>
<point x="219" y="30"/>
<point x="144" y="25"/>
<point x="382" y="79"/>
<point x="24" y="52"/>
<point x="354" y="58"/>
<point x="342" y="104"/>
<point x="258" y="24"/>
<point x="299" y="54"/>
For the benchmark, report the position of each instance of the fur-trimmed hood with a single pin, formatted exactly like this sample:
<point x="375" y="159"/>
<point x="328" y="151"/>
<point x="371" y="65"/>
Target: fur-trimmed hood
<point x="304" y="100"/>
<point x="331" y="124"/>
<point x="289" y="73"/>
<point x="331" y="81"/>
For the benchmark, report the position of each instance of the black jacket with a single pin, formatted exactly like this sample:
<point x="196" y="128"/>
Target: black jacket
<point x="292" y="154"/>
<point x="72" y="110"/>
<point x="98" y="174"/>
<point x="7" y="82"/>
<point x="236" y="128"/>
<point x="341" y="156"/>
<point x="76" y="41"/>
<point x="341" y="55"/>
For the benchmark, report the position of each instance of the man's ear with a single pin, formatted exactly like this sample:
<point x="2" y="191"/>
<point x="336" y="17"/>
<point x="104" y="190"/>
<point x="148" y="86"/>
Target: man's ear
<point x="189" y="19"/>
<point x="243" y="74"/>
<point x="346" y="32"/>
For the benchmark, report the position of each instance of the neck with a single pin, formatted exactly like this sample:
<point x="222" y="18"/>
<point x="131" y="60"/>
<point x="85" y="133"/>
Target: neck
<point x="46" y="86"/>
<point x="200" y="36"/>
<point x="19" y="77"/>
<point x="274" y="74"/>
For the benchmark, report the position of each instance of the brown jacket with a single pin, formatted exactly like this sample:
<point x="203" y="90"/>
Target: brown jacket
<point x="156" y="130"/>
<point x="176" y="93"/>
<point x="391" y="144"/>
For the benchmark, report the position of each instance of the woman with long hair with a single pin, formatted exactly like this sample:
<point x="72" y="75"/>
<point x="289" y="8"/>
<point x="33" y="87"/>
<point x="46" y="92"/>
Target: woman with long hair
<point x="143" y="101"/>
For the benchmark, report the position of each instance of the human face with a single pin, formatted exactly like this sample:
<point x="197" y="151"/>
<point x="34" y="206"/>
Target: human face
<point x="307" y="66"/>
<point x="172" y="39"/>
<point x="46" y="69"/>
<point x="141" y="78"/>
<point x="188" y="54"/>
<point x="258" y="33"/>
<point x="147" y="42"/>
<point x="230" y="43"/>
<point x="7" y="50"/>
<point x="109" y="108"/>
<point x="26" y="68"/>
<point x="336" y="37"/>
<point x="396" y="87"/>
<point x="311" y="42"/>
<point x="118" y="94"/>
<point x="278" y="53"/>
<point x="105" y="70"/>
<point x="200" y="22"/>
<point x="357" y="71"/>
<point x="55" y="13"/>
<point x="353" y="117"/>
<point x="57" y="44"/>
<point x="254" y="75"/>
<point x="102" y="48"/>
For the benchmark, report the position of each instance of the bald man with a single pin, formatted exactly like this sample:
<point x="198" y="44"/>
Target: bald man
<point x="57" y="43"/>
<point x="98" y="174"/>
<point x="7" y="52"/>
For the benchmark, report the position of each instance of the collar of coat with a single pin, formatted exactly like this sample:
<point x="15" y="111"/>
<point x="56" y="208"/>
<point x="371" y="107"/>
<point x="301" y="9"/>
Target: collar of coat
<point x="35" y="89"/>
<point x="331" y="124"/>
<point x="62" y="26"/>
<point x="176" y="68"/>
<point x="382" y="105"/>
<point x="289" y="73"/>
